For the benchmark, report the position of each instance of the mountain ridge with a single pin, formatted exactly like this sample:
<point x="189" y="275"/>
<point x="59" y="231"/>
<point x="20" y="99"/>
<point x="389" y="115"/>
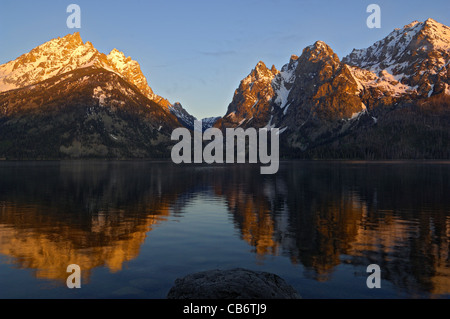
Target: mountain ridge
<point x="323" y="106"/>
<point x="61" y="55"/>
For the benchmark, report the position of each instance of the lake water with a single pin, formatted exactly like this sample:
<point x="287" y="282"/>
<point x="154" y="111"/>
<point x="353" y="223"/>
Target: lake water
<point x="134" y="227"/>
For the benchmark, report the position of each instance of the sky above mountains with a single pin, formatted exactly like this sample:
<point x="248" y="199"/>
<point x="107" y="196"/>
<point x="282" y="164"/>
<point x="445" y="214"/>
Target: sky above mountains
<point x="196" y="52"/>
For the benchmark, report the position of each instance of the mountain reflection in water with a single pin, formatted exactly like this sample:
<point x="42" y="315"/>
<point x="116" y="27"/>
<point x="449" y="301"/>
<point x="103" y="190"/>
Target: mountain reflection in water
<point x="317" y="215"/>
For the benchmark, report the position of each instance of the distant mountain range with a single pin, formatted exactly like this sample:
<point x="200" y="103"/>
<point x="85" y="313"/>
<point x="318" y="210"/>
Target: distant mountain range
<point x="64" y="99"/>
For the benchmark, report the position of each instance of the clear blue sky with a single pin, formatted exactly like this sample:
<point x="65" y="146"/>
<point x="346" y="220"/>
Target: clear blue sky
<point x="196" y="52"/>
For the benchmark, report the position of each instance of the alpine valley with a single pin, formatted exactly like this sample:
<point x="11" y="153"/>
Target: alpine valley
<point x="64" y="99"/>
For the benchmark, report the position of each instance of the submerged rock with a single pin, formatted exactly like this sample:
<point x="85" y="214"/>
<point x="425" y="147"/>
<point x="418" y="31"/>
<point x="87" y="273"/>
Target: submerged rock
<point x="235" y="283"/>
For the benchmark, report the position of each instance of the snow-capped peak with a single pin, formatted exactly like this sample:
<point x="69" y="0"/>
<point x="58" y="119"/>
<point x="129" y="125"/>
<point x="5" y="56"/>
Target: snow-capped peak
<point x="62" y="55"/>
<point x="410" y="58"/>
<point x="402" y="44"/>
<point x="410" y="25"/>
<point x="438" y="34"/>
<point x="50" y="59"/>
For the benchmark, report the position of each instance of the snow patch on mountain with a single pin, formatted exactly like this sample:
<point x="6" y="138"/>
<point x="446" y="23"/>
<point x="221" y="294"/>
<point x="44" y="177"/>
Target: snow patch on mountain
<point x="209" y="122"/>
<point x="282" y="95"/>
<point x="282" y="83"/>
<point x="431" y="90"/>
<point x="385" y="82"/>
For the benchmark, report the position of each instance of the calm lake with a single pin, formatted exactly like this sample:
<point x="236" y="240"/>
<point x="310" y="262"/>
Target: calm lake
<point x="135" y="226"/>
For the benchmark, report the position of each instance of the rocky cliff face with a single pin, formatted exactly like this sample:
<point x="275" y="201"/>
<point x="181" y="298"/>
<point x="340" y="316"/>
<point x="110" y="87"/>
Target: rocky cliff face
<point x="250" y="104"/>
<point x="319" y="85"/>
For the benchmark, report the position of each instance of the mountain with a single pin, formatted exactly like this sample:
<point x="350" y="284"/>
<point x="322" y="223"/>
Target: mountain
<point x="319" y="85"/>
<point x="391" y="100"/>
<point x="415" y="59"/>
<point x="88" y="112"/>
<point x="64" y="99"/>
<point x="250" y="104"/>
<point x="313" y="92"/>
<point x="183" y="116"/>
<point x="69" y="53"/>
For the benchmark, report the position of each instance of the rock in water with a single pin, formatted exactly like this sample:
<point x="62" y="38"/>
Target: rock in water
<point x="232" y="284"/>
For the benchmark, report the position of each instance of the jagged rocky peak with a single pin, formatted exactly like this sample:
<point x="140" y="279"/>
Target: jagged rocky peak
<point x="316" y="63"/>
<point x="261" y="72"/>
<point x="255" y="87"/>
<point x="274" y="70"/>
<point x="70" y="48"/>
<point x="177" y="107"/>
<point x="319" y="52"/>
<point x="410" y="42"/>
<point x="131" y="70"/>
<point x="430" y="22"/>
<point x="410" y="25"/>
<point x="118" y="58"/>
<point x="182" y="115"/>
<point x="73" y="39"/>
<point x="52" y="58"/>
<point x="287" y="71"/>
<point x="314" y="85"/>
<point x="410" y="60"/>
<point x="426" y="24"/>
<point x="62" y="55"/>
<point x="251" y="99"/>
<point x="438" y="34"/>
